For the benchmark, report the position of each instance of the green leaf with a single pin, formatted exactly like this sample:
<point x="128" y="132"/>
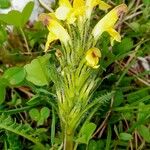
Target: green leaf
<point x="41" y="116"/>
<point x="146" y="2"/>
<point x="3" y="81"/>
<point x="37" y="71"/>
<point x="14" y="142"/>
<point x="125" y="136"/>
<point x="135" y="26"/>
<point x="34" y="100"/>
<point x="86" y="133"/>
<point x="12" y="18"/>
<point x="123" y="47"/>
<point x="144" y="132"/>
<point x="40" y="121"/>
<point x="132" y="97"/>
<point x="109" y="136"/>
<point x="5" y="4"/>
<point x="118" y="98"/>
<point x="142" y="113"/>
<point x="34" y="114"/>
<point x="53" y="129"/>
<point x="15" y="75"/>
<point x="3" y="35"/>
<point x="27" y="12"/>
<point x="24" y="130"/>
<point x="96" y="145"/>
<point x="45" y="112"/>
<point x="18" y="18"/>
<point x="3" y="85"/>
<point x="2" y="93"/>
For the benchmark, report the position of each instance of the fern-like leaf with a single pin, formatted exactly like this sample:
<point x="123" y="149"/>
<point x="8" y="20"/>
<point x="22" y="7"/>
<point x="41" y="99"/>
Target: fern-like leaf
<point x="25" y="131"/>
<point x="101" y="100"/>
<point x="13" y="142"/>
<point x="92" y="107"/>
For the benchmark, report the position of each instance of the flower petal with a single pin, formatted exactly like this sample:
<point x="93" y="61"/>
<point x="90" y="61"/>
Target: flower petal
<point x="51" y="37"/>
<point x="103" y="5"/>
<point x="108" y="21"/>
<point x="65" y="3"/>
<point x="92" y="3"/>
<point x="114" y="34"/>
<point x="78" y="3"/>
<point x="80" y="11"/>
<point x="59" y="31"/>
<point x="62" y="12"/>
<point x="97" y="66"/>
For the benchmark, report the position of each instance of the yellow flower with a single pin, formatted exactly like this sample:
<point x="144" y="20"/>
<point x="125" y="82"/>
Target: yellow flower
<point x="92" y="3"/>
<point x="92" y="57"/>
<point x="107" y="23"/>
<point x="56" y="30"/>
<point x="66" y="11"/>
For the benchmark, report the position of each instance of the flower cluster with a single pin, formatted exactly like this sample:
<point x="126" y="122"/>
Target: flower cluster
<point x="78" y="13"/>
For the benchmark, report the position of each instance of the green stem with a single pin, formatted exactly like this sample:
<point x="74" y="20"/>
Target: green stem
<point x="68" y="140"/>
<point x="25" y="40"/>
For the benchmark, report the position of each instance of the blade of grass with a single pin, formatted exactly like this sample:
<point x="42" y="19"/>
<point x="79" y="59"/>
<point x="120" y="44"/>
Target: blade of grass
<point x="108" y="141"/>
<point x="53" y="127"/>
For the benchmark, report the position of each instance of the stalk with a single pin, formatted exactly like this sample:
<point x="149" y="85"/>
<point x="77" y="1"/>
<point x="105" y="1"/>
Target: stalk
<point x="25" y="40"/>
<point x="68" y="140"/>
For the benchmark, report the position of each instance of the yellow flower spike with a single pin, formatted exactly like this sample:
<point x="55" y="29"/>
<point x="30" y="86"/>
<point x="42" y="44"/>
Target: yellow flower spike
<point x="56" y="30"/>
<point x="108" y="22"/>
<point x="92" y="3"/>
<point x="92" y="57"/>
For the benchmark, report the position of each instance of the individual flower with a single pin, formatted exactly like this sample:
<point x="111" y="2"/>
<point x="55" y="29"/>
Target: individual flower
<point x="56" y="30"/>
<point x="92" y="57"/>
<point x="107" y="23"/>
<point x="69" y="12"/>
<point x="92" y="3"/>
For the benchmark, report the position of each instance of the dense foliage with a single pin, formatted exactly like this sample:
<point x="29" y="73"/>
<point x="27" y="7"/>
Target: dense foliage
<point x="116" y="116"/>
